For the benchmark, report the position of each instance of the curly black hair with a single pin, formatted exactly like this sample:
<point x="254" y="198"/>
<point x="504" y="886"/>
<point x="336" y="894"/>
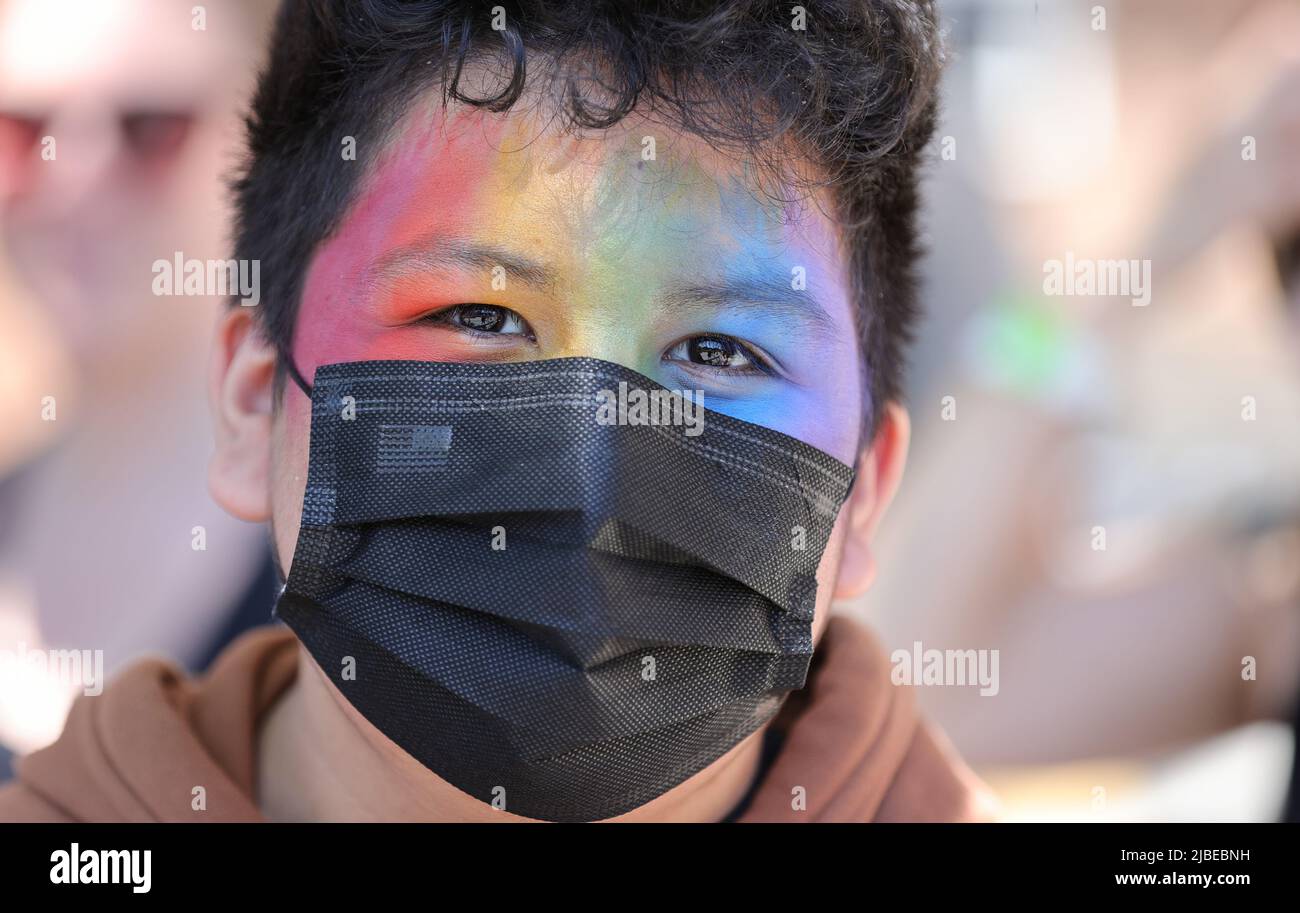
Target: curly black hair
<point x="852" y="92"/>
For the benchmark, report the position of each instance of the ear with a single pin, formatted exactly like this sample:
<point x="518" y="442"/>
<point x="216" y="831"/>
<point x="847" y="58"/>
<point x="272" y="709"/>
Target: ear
<point x="879" y="470"/>
<point x="240" y="389"/>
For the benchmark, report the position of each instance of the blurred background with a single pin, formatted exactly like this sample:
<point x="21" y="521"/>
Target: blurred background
<point x="1156" y="679"/>
<point x="1107" y="494"/>
<point x="106" y="528"/>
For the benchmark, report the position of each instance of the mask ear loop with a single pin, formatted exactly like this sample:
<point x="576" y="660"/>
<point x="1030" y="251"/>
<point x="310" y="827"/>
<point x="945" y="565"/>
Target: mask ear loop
<point x="287" y="360"/>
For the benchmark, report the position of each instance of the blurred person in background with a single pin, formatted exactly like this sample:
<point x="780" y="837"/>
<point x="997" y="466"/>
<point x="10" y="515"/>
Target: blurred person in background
<point x="1172" y="134"/>
<point x="118" y="121"/>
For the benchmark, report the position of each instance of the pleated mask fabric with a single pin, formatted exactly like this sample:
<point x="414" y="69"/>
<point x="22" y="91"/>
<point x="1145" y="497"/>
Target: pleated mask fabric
<point x="561" y="605"/>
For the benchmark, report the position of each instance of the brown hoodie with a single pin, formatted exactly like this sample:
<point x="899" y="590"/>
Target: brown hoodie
<point x="135" y="752"/>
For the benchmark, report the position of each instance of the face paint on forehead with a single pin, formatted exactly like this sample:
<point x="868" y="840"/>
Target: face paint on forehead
<point x="620" y="231"/>
<point x="392" y="209"/>
<point x="672" y="217"/>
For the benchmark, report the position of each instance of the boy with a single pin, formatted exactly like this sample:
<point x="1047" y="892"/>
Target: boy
<point x="488" y="238"/>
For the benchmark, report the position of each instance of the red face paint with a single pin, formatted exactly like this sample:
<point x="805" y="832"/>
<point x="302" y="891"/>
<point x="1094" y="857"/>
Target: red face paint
<point x="421" y="188"/>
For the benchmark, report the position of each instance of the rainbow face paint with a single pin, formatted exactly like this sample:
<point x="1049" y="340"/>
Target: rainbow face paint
<point x="598" y="252"/>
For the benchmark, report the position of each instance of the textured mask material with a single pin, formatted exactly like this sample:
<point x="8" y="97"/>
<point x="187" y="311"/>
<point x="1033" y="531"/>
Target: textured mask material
<point x="559" y="614"/>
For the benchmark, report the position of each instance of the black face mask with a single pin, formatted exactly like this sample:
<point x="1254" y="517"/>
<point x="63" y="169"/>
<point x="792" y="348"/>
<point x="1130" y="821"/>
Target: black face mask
<point x="560" y="613"/>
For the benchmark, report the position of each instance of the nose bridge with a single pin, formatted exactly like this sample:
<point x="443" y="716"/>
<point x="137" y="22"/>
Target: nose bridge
<point x="607" y="318"/>
<point x="595" y="443"/>
<point x="607" y="343"/>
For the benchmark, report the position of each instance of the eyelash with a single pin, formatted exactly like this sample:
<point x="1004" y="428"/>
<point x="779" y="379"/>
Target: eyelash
<point x="759" y="364"/>
<point x="448" y="317"/>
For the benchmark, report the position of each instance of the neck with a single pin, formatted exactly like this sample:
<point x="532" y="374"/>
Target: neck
<point x="366" y="777"/>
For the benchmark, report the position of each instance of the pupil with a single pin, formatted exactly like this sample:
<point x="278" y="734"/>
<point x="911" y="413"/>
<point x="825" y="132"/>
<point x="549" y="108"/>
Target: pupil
<point x="483" y="317"/>
<point x="716" y="353"/>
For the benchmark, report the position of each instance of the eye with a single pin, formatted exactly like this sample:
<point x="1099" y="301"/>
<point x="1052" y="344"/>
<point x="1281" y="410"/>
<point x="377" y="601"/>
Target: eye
<point x="718" y="353"/>
<point x="483" y="318"/>
<point x="155" y="136"/>
<point x="19" y="135"/>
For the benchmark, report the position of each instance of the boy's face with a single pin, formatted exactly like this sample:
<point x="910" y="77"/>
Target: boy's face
<point x="673" y="266"/>
<point x="483" y="237"/>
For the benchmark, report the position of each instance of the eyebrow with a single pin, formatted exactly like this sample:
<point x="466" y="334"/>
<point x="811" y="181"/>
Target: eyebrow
<point x="436" y="253"/>
<point x="771" y="294"/>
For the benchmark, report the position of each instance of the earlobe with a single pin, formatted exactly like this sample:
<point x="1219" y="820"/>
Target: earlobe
<point x="240" y="389"/>
<point x="879" y="472"/>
